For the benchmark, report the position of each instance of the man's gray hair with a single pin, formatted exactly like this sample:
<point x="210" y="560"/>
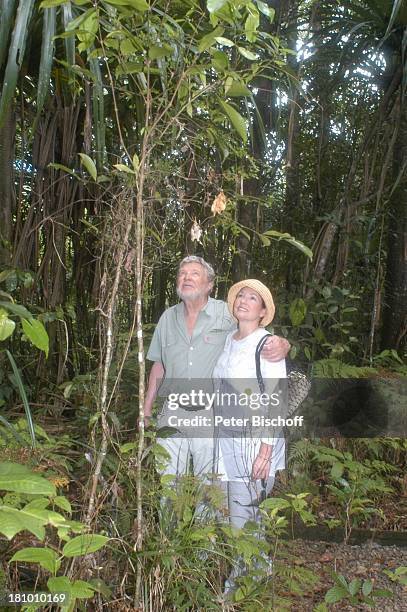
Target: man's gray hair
<point x="195" y="259"/>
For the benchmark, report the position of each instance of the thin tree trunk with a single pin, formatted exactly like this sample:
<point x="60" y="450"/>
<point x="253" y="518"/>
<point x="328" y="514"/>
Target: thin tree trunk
<point x="394" y="314"/>
<point x="7" y="195"/>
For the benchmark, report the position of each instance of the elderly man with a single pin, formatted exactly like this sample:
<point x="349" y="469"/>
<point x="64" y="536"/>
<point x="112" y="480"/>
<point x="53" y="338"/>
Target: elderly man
<point x="186" y="344"/>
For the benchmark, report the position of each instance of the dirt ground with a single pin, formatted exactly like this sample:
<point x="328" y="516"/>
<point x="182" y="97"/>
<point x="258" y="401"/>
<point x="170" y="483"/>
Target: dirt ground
<point x="366" y="561"/>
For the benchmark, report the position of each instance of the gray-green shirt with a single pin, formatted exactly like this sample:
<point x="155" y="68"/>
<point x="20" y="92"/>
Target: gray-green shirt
<point x="186" y="357"/>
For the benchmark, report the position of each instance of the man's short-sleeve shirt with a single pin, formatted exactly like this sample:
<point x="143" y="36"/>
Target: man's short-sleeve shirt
<point x="191" y="357"/>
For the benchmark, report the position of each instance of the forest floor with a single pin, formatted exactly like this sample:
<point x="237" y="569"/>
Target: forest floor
<point x="366" y="561"/>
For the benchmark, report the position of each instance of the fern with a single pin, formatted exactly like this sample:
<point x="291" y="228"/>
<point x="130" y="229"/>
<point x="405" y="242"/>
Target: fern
<point x="333" y="368"/>
<point x="301" y="452"/>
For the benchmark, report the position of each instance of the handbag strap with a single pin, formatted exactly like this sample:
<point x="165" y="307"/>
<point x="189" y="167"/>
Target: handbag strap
<point x="297" y="380"/>
<point x="260" y="381"/>
<point x="259" y="348"/>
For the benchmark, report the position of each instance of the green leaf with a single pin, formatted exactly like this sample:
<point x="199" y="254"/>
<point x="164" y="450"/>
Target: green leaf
<point x="341" y="581"/>
<point x="129" y="68"/>
<point x="45" y="557"/>
<point x="298" y="310"/>
<point x="45" y="4"/>
<point x="128" y="447"/>
<point x="18" y="478"/>
<point x="16" y="309"/>
<point x="247" y="54"/>
<point x="299" y="245"/>
<point x="226" y="42"/>
<point x="264" y="240"/>
<point x="220" y="60"/>
<point x="59" y="584"/>
<point x="23" y="396"/>
<point x="89" y="165"/>
<point x="215" y="5"/>
<point x="291" y="240"/>
<point x="37" y="334"/>
<point x="61" y="167"/>
<point x="382" y="593"/>
<point x="139" y="5"/>
<point x="63" y="503"/>
<point x="136" y="162"/>
<point x="82" y="589"/>
<point x="39" y="503"/>
<point x="50" y="3"/>
<point x="124" y="168"/>
<point x="78" y="21"/>
<point x="84" y="545"/>
<point x="275" y="503"/>
<point x="209" y="39"/>
<point x="354" y="586"/>
<point x="13" y="521"/>
<point x="236" y="119"/>
<point x="252" y="23"/>
<point x="337" y="470"/>
<point x="7" y="274"/>
<point x="238" y="90"/>
<point x="7" y="326"/>
<point x="268" y="11"/>
<point x="335" y="594"/>
<point x="155" y="52"/>
<point x="30" y="518"/>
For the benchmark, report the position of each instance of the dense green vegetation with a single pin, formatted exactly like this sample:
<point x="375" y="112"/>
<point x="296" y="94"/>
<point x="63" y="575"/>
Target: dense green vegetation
<point x="269" y="137"/>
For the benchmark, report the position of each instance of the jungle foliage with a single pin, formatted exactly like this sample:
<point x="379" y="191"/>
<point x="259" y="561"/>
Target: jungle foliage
<point x="269" y="137"/>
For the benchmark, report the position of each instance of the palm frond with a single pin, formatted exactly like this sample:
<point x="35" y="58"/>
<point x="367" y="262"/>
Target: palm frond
<point x="98" y="112"/>
<point x="8" y="10"/>
<point x="16" y="55"/>
<point x="24" y="399"/>
<point x="397" y="4"/>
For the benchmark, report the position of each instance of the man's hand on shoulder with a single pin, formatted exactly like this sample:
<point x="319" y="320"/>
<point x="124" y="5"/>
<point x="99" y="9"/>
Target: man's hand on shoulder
<point x="275" y="348"/>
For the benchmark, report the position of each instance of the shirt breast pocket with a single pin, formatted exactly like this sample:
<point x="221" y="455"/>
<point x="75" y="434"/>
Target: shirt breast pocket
<point x="170" y="347"/>
<point x="170" y="341"/>
<point x="215" y="338"/>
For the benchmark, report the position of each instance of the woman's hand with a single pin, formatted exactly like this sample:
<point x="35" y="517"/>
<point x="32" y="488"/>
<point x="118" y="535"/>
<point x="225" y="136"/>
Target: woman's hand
<point x="261" y="465"/>
<point x="147" y="421"/>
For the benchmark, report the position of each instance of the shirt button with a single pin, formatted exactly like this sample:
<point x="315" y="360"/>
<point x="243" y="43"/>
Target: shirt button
<point x="190" y="363"/>
<point x="191" y="348"/>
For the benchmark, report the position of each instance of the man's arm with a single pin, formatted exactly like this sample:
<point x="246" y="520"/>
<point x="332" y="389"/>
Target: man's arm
<point x="275" y="349"/>
<point x="157" y="373"/>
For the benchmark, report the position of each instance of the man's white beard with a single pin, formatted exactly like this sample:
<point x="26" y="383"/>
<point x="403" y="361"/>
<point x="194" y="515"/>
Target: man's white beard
<point x="194" y="295"/>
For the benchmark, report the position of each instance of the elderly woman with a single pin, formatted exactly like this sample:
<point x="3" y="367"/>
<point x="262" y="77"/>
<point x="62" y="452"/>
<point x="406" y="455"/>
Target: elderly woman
<point x="246" y="465"/>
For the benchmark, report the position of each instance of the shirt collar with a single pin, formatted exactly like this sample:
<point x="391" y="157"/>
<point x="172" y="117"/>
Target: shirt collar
<point x="208" y="309"/>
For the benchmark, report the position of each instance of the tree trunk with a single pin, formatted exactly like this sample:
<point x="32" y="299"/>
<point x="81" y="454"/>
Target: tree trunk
<point x="7" y="194"/>
<point x="252" y="188"/>
<point x="394" y="314"/>
<point x="292" y="193"/>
